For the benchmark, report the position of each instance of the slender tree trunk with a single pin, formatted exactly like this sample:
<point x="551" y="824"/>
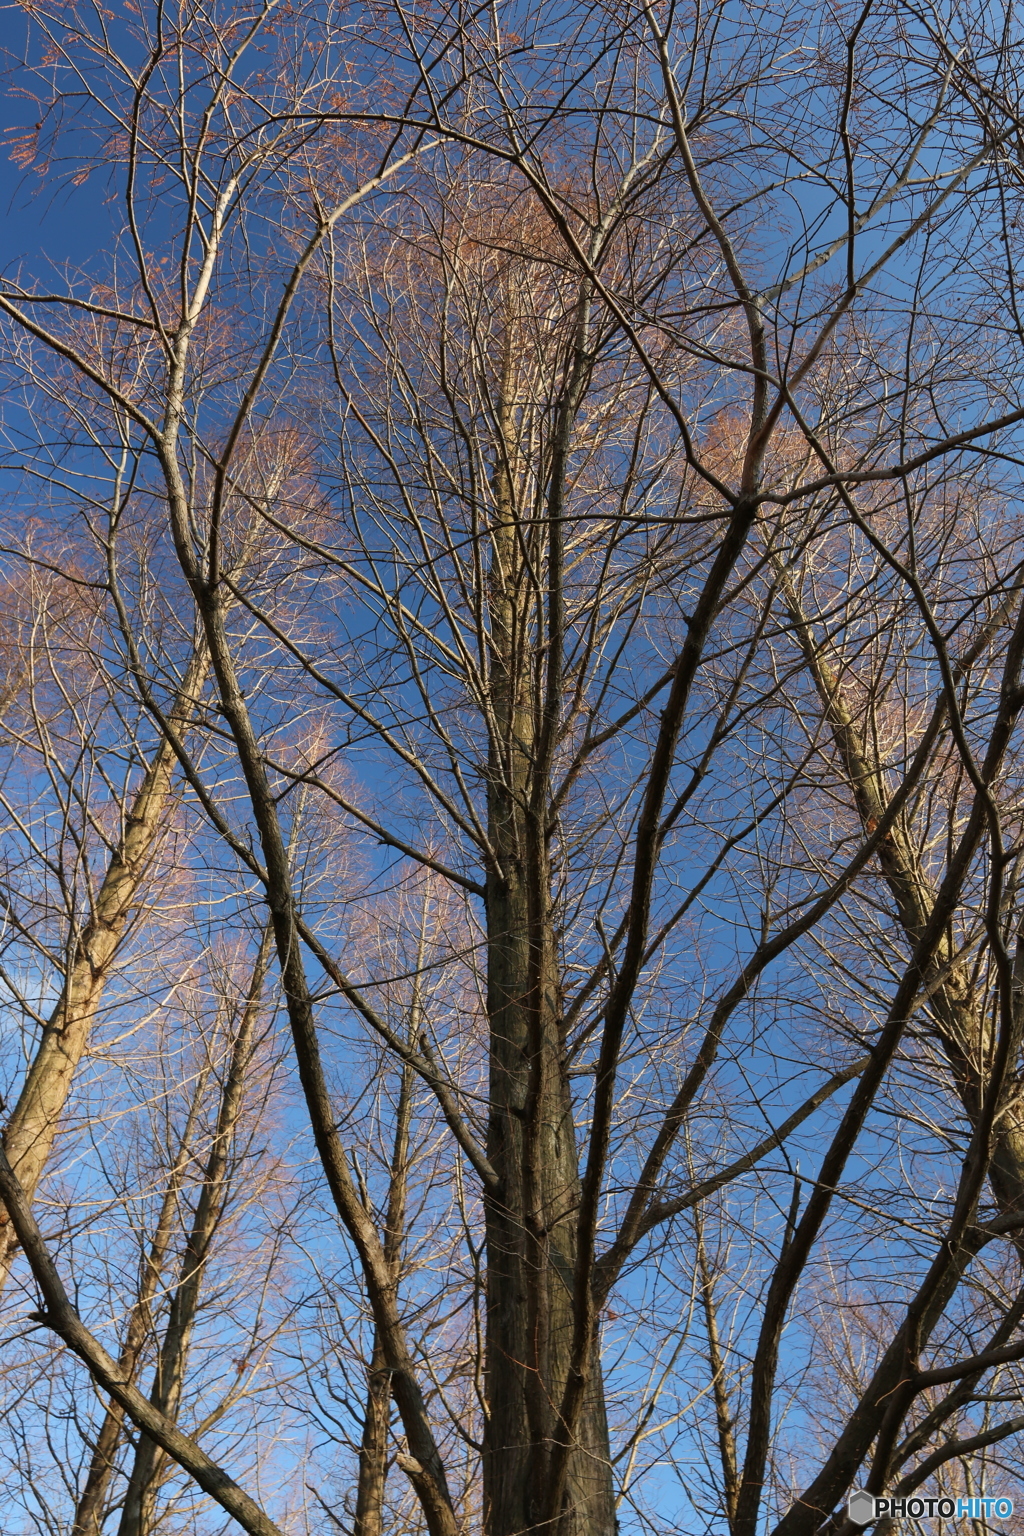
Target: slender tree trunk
<point x="91" y="1505"/>
<point x="147" y="1469"/>
<point x="961" y="1017"/>
<point x="29" y="1135"/>
<point x="373" y="1450"/>
<point x="422" y="1462"/>
<point x="725" y="1422"/>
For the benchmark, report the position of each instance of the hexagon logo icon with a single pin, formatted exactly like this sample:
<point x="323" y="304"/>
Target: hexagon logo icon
<point x="861" y="1508"/>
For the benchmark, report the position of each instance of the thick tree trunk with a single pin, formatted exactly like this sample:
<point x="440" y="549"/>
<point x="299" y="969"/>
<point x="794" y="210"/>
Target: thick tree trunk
<point x="531" y="1222"/>
<point x="531" y="1254"/>
<point x="29" y="1135"/>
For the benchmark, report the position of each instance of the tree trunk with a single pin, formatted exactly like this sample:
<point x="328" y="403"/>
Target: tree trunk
<point x="35" y="1118"/>
<point x="147" y="1468"/>
<point x="531" y="1223"/>
<point x="373" y="1450"/>
<point x="961" y="1017"/>
<point x="90" y="1509"/>
<point x="531" y="1251"/>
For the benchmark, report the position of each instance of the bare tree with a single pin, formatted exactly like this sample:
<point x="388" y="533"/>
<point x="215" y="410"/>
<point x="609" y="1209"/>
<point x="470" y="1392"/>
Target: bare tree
<point x="646" y="569"/>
